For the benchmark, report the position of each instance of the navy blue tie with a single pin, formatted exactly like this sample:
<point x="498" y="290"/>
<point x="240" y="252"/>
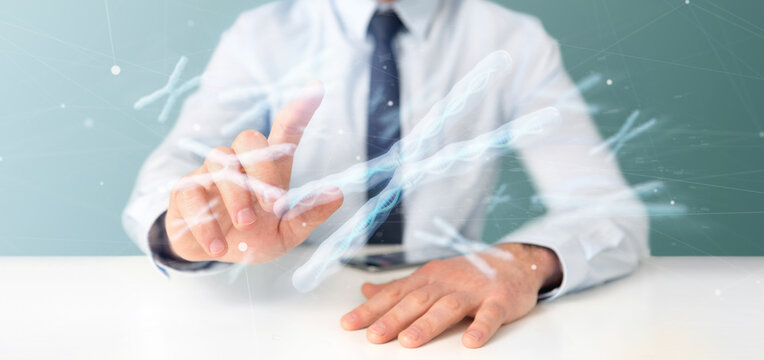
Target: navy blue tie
<point x="384" y="128"/>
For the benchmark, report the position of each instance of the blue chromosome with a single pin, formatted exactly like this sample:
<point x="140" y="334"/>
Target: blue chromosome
<point x="451" y="238"/>
<point x="624" y="134"/>
<point x="451" y="160"/>
<point x="172" y="90"/>
<point x="424" y="138"/>
<point x="497" y="198"/>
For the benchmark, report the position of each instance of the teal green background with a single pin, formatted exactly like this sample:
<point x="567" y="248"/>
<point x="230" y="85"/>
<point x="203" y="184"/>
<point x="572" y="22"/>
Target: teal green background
<point x="698" y="67"/>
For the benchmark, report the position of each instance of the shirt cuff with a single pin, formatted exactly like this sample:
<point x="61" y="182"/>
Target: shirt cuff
<point x="167" y="262"/>
<point x="572" y="259"/>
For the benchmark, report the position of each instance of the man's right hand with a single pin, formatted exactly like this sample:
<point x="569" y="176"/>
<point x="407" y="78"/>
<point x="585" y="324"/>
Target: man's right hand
<point x="224" y="210"/>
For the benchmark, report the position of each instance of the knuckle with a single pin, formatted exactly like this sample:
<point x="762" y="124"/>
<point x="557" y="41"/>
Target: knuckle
<point x="189" y="195"/>
<point x="481" y="326"/>
<point x="425" y="325"/>
<point x="223" y="150"/>
<point x="390" y="320"/>
<point x="363" y="312"/>
<point x="392" y="293"/>
<point x="503" y="297"/>
<point x="494" y="311"/>
<point x="290" y="126"/>
<point x="219" y="157"/>
<point x="419" y="297"/>
<point x="184" y="183"/>
<point x="208" y="231"/>
<point x="205" y="235"/>
<point x="451" y="303"/>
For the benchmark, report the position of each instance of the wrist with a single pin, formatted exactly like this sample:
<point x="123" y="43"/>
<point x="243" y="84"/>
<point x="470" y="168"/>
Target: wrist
<point x="540" y="263"/>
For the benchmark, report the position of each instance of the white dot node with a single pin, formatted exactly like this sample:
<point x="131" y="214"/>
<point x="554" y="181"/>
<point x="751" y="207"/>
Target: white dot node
<point x="717" y="292"/>
<point x="761" y="134"/>
<point x="390" y="103"/>
<point x="197" y="127"/>
<point x="686" y="1"/>
<point x="672" y="202"/>
<point x="358" y="157"/>
<point x="1" y="158"/>
<point x="609" y="82"/>
<point x="304" y="224"/>
<point x="340" y="131"/>
<point x="100" y="183"/>
<point x="242" y="246"/>
<point x="88" y="123"/>
<point x="534" y="267"/>
<point x="115" y="70"/>
<point x="655" y="190"/>
<point x="63" y="105"/>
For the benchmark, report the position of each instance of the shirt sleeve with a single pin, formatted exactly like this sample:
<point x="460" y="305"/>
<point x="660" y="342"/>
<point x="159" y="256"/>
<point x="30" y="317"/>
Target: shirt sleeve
<point x="594" y="222"/>
<point x="200" y="123"/>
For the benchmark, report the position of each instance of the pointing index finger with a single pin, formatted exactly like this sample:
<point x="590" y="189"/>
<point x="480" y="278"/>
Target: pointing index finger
<point x="290" y="123"/>
<point x="292" y="120"/>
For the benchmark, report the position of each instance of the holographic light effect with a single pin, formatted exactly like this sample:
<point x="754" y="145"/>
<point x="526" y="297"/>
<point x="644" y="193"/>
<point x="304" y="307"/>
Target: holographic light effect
<point x="498" y="198"/>
<point x="623" y="135"/>
<point x="451" y="238"/>
<point x="172" y="90"/>
<point x="258" y="98"/>
<point x="412" y="162"/>
<point x="450" y="161"/>
<point x="422" y="140"/>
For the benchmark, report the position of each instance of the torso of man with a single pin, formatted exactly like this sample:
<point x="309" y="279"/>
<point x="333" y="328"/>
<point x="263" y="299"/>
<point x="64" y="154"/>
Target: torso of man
<point x="444" y="41"/>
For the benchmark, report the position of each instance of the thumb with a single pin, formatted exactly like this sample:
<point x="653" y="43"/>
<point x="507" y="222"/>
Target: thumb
<point x="308" y="214"/>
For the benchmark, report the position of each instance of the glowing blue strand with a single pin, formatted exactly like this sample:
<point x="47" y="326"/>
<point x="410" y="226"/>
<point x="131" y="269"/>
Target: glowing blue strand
<point x="349" y="237"/>
<point x="423" y="136"/>
<point x="171" y="90"/>
<point x="257" y="111"/>
<point x="497" y="198"/>
<point x="632" y="134"/>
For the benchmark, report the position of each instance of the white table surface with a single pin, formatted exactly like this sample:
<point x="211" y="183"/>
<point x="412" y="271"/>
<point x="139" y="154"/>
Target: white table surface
<point x="123" y="308"/>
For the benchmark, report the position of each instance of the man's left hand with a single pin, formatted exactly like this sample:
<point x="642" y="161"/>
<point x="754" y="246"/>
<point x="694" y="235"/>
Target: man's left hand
<point x="417" y="308"/>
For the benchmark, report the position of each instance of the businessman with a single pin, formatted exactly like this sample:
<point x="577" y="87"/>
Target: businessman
<point x="382" y="66"/>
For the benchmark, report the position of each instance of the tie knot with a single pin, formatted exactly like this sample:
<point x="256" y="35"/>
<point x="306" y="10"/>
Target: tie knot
<point x="385" y="25"/>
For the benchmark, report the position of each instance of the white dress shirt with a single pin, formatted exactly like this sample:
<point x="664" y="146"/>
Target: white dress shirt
<point x="594" y="223"/>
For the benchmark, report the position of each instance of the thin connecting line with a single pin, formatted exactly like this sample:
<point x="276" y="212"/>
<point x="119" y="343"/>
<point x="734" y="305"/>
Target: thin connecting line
<point x="736" y="16"/>
<point x="251" y="304"/>
<point x="85" y="50"/>
<point x="724" y="67"/>
<point x="695" y="183"/>
<point x="625" y="37"/>
<point x="83" y="87"/>
<point x="111" y="38"/>
<point x="607" y="52"/>
<point x="732" y="22"/>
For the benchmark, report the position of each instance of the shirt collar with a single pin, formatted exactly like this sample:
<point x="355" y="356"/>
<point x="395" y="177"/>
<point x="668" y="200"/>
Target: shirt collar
<point x="416" y="15"/>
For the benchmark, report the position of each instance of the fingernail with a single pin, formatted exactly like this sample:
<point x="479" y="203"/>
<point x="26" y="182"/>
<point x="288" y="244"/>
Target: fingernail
<point x="412" y="333"/>
<point x="217" y="247"/>
<point x="474" y="334"/>
<point x="378" y="329"/>
<point x="245" y="216"/>
<point x="349" y="318"/>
